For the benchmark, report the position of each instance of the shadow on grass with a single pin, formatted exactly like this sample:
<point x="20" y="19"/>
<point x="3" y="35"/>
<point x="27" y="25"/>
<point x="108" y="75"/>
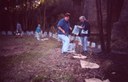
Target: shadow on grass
<point x="118" y="71"/>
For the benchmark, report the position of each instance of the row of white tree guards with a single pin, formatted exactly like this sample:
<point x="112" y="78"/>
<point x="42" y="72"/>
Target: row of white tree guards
<point x="25" y="33"/>
<point x="6" y="33"/>
<point x="53" y="35"/>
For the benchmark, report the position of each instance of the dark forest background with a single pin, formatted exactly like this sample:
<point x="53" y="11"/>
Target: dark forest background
<point x="47" y="12"/>
<point x="108" y="18"/>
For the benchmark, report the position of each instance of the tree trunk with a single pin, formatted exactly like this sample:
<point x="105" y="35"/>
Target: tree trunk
<point x="100" y="24"/>
<point x="109" y="26"/>
<point x="44" y="25"/>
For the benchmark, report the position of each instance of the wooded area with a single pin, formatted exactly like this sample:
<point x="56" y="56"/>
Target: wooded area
<point x="34" y="54"/>
<point x="101" y="14"/>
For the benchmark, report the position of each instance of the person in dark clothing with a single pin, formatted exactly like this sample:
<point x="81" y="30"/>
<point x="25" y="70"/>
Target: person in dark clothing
<point x="84" y="32"/>
<point x="18" y="29"/>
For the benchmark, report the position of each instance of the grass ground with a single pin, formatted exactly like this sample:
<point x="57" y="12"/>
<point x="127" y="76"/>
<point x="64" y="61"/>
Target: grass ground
<point x="28" y="60"/>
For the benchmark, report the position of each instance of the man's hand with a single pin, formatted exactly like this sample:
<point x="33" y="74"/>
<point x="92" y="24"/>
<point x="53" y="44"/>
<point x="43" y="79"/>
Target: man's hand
<point x="71" y="28"/>
<point x="63" y="31"/>
<point x="80" y="27"/>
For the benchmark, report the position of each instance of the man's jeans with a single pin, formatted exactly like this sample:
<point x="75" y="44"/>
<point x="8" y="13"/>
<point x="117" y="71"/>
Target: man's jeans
<point x="65" y="40"/>
<point x="84" y="42"/>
